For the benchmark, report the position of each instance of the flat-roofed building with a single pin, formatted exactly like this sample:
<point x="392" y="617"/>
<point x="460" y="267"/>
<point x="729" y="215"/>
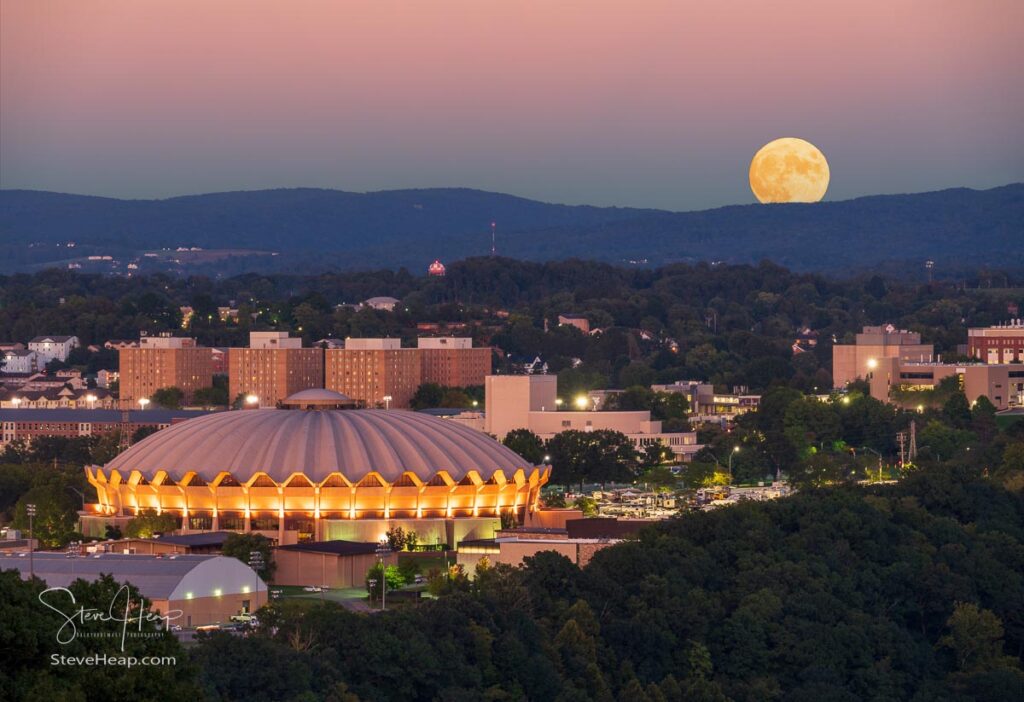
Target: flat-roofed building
<point x="453" y="361"/>
<point x="857" y="360"/>
<point x="1003" y="343"/>
<point x="30" y="424"/>
<point x="1002" y="384"/>
<point x="531" y="402"/>
<point x="273" y="367"/>
<point x="334" y="564"/>
<point x="373" y="372"/>
<point x="163" y="361"/>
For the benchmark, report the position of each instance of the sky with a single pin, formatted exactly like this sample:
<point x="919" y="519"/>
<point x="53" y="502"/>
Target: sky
<point x="643" y="103"/>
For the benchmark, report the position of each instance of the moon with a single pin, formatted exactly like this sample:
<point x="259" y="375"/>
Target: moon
<point x="789" y="170"/>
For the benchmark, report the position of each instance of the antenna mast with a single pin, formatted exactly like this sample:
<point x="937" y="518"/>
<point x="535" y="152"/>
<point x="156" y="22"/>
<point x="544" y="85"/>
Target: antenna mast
<point x="493" y="249"/>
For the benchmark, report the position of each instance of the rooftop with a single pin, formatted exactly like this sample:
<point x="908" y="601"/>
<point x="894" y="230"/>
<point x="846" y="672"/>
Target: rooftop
<point x="338" y="547"/>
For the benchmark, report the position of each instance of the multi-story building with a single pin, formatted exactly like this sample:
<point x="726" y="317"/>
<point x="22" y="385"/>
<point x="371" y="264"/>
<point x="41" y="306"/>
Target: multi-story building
<point x="28" y="424"/>
<point x="858" y="360"/>
<point x="20" y="361"/>
<point x="706" y="404"/>
<point x="53" y="347"/>
<point x="530" y="402"/>
<point x="1003" y="343"/>
<point x="273" y="367"/>
<point x="163" y="362"/>
<point x="453" y="361"/>
<point x="374" y="372"/>
<point x="1002" y="384"/>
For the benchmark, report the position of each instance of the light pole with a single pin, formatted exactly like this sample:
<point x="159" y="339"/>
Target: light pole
<point x="15" y="401"/>
<point x="91" y="399"/>
<point x="735" y="450"/>
<point x="382" y="551"/>
<point x="255" y="562"/>
<point x="30" y="508"/>
<point x="143" y="402"/>
<point x="252" y="400"/>
<point x="387" y="401"/>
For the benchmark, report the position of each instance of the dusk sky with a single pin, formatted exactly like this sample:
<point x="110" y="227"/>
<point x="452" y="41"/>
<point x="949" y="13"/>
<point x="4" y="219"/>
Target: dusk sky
<point x="641" y="103"/>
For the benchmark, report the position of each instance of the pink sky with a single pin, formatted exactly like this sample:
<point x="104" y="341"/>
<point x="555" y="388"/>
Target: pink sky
<point x="634" y="103"/>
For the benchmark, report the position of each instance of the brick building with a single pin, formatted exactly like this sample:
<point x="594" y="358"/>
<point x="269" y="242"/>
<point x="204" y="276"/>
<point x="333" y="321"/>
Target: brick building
<point x="453" y="362"/>
<point x="1003" y="343"/>
<point x="163" y="362"/>
<point x="370" y="370"/>
<point x="273" y="367"/>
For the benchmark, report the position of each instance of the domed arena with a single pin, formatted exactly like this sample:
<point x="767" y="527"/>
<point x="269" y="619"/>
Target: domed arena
<point x="313" y="471"/>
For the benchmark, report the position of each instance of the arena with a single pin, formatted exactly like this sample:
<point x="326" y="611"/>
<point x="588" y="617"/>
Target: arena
<point x="315" y="469"/>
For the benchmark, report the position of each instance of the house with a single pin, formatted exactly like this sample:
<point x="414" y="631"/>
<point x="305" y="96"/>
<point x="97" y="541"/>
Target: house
<point x="53" y="347"/>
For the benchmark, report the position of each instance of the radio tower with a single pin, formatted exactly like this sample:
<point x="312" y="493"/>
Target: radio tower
<point x="493" y="249"/>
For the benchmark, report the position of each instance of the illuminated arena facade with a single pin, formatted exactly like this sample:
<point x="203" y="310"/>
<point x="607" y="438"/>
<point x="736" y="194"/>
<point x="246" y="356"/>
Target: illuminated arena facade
<point x="312" y="471"/>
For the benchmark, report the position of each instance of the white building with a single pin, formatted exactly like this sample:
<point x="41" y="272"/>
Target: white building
<point x="21" y="361"/>
<point x="381" y="303"/>
<point x="53" y="347"/>
<point x="530" y="402"/>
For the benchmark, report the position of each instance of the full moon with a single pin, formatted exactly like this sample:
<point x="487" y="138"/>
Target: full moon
<point x="789" y="170"/>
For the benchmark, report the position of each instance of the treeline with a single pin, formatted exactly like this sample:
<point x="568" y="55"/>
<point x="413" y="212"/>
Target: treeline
<point x="905" y="592"/>
<point x="732" y="325"/>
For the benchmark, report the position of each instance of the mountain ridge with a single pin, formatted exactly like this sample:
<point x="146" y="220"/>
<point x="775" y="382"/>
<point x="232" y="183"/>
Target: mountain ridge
<point x="411" y="227"/>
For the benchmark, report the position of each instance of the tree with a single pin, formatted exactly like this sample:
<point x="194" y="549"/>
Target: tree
<point x="957" y="410"/>
<point x="587" y="505"/>
<point x="241" y="546"/>
<point x="213" y="396"/>
<point x="392" y="575"/>
<point x="56" y="513"/>
<point x="976" y="639"/>
<point x="396" y="538"/>
<point x="168" y="398"/>
<point x="427" y="396"/>
<point x="526" y="444"/>
<point x="600" y="456"/>
<point x="147" y="523"/>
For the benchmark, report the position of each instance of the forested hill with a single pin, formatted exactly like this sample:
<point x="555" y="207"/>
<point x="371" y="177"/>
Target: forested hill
<point x="330" y="228"/>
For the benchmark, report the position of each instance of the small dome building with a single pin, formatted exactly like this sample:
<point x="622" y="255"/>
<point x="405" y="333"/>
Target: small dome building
<point x="312" y="470"/>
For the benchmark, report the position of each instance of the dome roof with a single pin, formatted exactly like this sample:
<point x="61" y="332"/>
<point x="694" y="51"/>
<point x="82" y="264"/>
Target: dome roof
<point x="351" y="442"/>
<point x="318" y="394"/>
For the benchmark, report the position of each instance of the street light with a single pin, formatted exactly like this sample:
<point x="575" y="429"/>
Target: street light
<point x="143" y="402"/>
<point x="252" y="400"/>
<point x="387" y="401"/>
<point x="558" y="402"/>
<point x="547" y="458"/>
<point x="872" y="363"/>
<point x="383" y="550"/>
<point x="91" y="399"/>
<point x="582" y="402"/>
<point x="15" y="401"/>
<point x="30" y="509"/>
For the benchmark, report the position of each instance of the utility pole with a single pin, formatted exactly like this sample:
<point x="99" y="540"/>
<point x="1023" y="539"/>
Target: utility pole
<point x="913" y="440"/>
<point x="493" y="246"/>
<point x="901" y="438"/>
